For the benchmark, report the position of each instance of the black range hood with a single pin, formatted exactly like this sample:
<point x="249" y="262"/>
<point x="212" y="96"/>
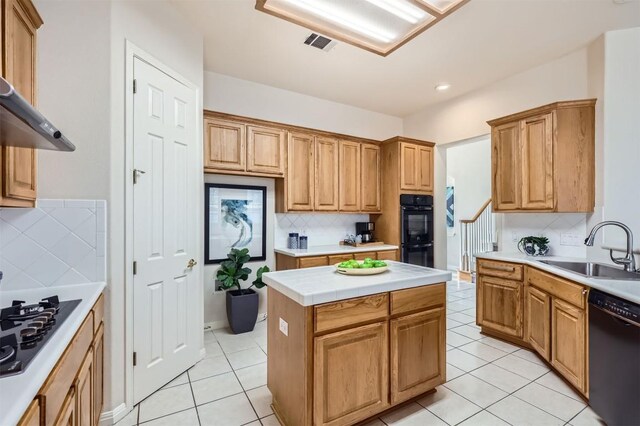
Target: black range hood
<point x="23" y="126"/>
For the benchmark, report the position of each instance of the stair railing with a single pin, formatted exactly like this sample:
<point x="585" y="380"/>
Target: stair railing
<point x="477" y="235"/>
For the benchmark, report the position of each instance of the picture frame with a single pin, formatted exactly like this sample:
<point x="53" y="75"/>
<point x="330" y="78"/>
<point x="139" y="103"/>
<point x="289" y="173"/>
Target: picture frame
<point x="235" y="217"/>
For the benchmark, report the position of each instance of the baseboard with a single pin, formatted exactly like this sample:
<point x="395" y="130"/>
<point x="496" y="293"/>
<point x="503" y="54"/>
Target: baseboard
<point x="108" y="418"/>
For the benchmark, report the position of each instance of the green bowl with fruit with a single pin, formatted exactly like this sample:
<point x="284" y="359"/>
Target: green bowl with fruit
<point x="367" y="266"/>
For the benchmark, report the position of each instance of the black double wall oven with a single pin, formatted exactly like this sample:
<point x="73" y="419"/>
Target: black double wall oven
<point x="416" y="213"/>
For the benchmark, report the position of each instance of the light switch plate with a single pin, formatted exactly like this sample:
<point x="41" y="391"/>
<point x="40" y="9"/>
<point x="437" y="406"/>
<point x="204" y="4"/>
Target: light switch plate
<point x="284" y="327"/>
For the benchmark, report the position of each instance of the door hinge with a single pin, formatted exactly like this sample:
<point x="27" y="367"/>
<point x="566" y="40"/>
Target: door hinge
<point x="135" y="358"/>
<point x="135" y="267"/>
<point x="135" y="86"/>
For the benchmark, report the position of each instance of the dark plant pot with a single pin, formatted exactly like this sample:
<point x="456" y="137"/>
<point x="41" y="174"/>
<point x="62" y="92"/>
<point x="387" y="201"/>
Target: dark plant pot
<point x="242" y="310"/>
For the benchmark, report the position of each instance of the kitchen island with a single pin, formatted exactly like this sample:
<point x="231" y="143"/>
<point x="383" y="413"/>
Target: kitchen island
<point x="342" y="349"/>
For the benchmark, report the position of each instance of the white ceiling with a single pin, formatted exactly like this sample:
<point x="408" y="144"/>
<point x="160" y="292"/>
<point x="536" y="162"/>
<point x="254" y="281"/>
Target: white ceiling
<point x="483" y="42"/>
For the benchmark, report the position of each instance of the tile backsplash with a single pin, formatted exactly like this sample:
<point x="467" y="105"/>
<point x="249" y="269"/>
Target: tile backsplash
<point x="60" y="242"/>
<point x="554" y="226"/>
<point x="321" y="228"/>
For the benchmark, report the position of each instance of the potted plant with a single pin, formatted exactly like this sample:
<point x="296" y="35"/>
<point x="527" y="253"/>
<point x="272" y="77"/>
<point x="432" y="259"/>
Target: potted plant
<point x="534" y="246"/>
<point x="242" y="304"/>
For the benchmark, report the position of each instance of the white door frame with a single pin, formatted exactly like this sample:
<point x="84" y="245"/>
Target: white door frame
<point x="132" y="51"/>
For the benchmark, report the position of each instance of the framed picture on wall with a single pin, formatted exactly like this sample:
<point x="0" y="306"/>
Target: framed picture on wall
<point x="235" y="217"/>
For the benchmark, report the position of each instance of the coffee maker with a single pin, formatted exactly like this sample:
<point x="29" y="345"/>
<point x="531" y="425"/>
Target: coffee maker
<point x="365" y="231"/>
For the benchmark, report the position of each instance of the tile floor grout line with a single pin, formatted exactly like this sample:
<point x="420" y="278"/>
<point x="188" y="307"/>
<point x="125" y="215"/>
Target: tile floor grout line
<point x="166" y="415"/>
<point x="243" y="389"/>
<point x="195" y="404"/>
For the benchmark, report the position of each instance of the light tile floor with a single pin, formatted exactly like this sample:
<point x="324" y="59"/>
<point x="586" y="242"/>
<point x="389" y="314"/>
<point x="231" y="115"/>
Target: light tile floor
<point x="490" y="382"/>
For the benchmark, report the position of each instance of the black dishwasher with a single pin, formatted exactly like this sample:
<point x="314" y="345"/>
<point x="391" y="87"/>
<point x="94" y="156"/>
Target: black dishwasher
<point x="614" y="359"/>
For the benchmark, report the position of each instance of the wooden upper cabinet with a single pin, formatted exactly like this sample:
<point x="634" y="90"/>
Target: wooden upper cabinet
<point x="19" y="165"/>
<point x="409" y="173"/>
<point x="266" y="150"/>
<point x="300" y="172"/>
<point x="544" y="159"/>
<point x="349" y="176"/>
<point x="326" y="175"/>
<point x="415" y="370"/>
<point x="499" y="305"/>
<point x="351" y="375"/>
<point x="370" y="193"/>
<point x="425" y="168"/>
<point x="505" y="158"/>
<point x="225" y="145"/>
<point x="537" y="162"/>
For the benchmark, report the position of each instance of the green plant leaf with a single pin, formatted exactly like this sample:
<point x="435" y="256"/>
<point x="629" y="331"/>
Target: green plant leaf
<point x="258" y="283"/>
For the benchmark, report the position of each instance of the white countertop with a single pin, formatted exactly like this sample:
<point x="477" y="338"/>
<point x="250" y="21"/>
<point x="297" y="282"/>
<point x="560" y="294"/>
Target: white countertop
<point x="17" y="392"/>
<point x="332" y="249"/>
<point x="312" y="286"/>
<point x="625" y="289"/>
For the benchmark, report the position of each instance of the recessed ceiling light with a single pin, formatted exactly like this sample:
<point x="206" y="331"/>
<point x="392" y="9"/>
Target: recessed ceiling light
<point x="442" y="87"/>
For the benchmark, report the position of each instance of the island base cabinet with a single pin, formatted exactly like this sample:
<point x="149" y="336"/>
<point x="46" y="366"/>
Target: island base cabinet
<point x="415" y="370"/>
<point x="568" y="348"/>
<point x="351" y="375"/>
<point x="499" y="305"/>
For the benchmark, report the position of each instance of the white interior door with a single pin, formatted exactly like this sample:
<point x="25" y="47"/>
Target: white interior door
<point x="166" y="299"/>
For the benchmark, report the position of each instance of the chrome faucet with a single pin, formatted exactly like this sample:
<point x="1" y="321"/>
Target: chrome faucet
<point x="629" y="261"/>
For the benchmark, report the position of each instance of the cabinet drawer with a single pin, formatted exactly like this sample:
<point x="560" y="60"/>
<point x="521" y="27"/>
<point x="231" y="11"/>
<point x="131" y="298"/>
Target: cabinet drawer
<point x="98" y="313"/>
<point x="339" y="258"/>
<point x="494" y="268"/>
<point x="388" y="255"/>
<point x="309" y="262"/>
<point x="558" y="287"/>
<point x="349" y="312"/>
<point x="64" y="373"/>
<point x="416" y="299"/>
<point x="363" y="255"/>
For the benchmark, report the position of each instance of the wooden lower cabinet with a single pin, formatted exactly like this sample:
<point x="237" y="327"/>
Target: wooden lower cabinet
<point x="351" y="371"/>
<point x="67" y="416"/>
<point x="284" y="262"/>
<point x="499" y="305"/>
<point x="84" y="391"/>
<point x="31" y="417"/>
<point x="98" y="373"/>
<point x="415" y="370"/>
<point x="388" y="255"/>
<point x="538" y="321"/>
<point x="568" y="342"/>
<point x="310" y="262"/>
<point x="364" y="255"/>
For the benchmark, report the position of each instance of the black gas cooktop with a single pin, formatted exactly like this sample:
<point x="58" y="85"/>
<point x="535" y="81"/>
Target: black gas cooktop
<point x="26" y="329"/>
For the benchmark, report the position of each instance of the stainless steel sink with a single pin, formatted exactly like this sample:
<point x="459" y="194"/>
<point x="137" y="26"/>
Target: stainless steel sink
<point x="595" y="270"/>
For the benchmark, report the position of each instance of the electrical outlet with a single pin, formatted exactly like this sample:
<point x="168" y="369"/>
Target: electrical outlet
<point x="218" y="287"/>
<point x="571" y="239"/>
<point x="514" y="237"/>
<point x="284" y="327"/>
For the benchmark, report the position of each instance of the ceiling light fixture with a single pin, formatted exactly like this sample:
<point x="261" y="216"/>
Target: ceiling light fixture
<point x="401" y="9"/>
<point x="442" y="87"/>
<point x="335" y="15"/>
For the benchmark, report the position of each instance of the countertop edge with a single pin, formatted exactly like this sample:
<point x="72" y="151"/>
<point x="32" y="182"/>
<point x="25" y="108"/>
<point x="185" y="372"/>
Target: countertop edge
<point x="19" y="390"/>
<point x="329" y="250"/>
<point x="610" y="286"/>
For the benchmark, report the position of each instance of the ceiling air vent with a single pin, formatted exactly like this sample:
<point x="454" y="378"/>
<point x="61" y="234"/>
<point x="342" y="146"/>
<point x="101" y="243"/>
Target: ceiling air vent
<point x="320" y="42"/>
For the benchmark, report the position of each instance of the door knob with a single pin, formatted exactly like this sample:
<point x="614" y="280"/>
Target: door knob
<point x="191" y="263"/>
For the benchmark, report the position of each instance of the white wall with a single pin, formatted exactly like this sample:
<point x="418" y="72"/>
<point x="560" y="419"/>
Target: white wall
<point x="82" y="89"/>
<point x="241" y="97"/>
<point x="469" y="170"/>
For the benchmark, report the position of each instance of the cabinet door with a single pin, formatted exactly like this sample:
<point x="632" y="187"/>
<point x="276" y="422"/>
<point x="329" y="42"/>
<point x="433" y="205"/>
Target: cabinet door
<point x="98" y="374"/>
<point x="351" y="375"/>
<point x="499" y="305"/>
<point x="326" y="182"/>
<point x="538" y="321"/>
<point x="425" y="168"/>
<point x="505" y="166"/>
<point x="568" y="342"/>
<point x="31" y="417"/>
<point x="409" y="173"/>
<point x="67" y="415"/>
<point x="224" y="145"/>
<point x="300" y="172"/>
<point x="19" y="68"/>
<point x="370" y="196"/>
<point x="537" y="163"/>
<point x="84" y="391"/>
<point x="265" y="150"/>
<point x="417" y="354"/>
<point x="349" y="176"/>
